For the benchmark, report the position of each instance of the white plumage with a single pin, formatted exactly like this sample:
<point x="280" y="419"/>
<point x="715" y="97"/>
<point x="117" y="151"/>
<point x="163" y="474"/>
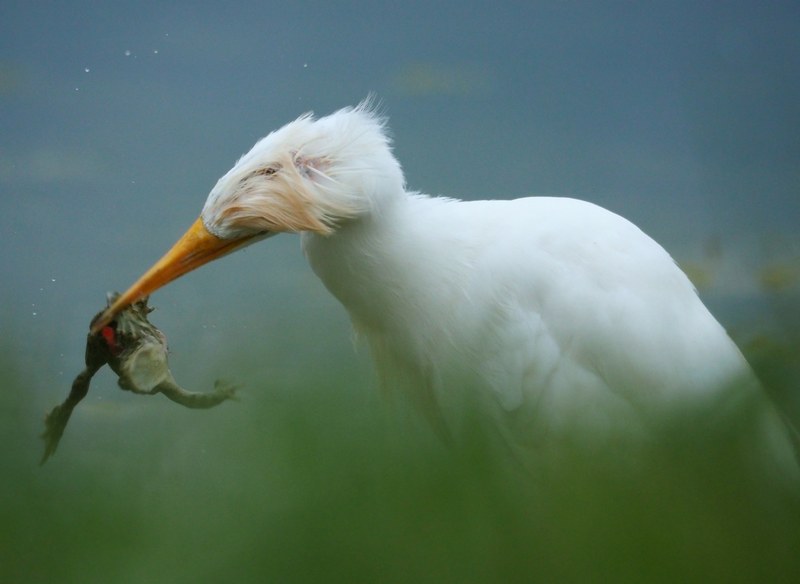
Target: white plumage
<point x="556" y="319"/>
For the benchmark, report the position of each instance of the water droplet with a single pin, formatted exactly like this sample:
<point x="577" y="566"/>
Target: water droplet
<point x="127" y="53"/>
<point x="87" y="69"/>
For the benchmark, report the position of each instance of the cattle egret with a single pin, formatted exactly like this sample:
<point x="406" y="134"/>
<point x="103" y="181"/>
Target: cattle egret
<point x="556" y="319"/>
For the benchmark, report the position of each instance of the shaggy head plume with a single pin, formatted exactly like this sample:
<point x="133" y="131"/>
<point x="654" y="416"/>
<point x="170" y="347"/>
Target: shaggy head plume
<point x="310" y="175"/>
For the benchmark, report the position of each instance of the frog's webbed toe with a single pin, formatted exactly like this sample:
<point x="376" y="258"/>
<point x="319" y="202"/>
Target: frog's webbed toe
<point x="54" y="424"/>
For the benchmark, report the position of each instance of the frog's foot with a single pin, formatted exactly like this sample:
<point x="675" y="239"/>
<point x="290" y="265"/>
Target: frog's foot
<point x="198" y="400"/>
<point x="54" y="424"/>
<point x="226" y="389"/>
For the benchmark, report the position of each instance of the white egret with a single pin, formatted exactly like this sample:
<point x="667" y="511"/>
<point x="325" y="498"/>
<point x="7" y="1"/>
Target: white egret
<point x="557" y="319"/>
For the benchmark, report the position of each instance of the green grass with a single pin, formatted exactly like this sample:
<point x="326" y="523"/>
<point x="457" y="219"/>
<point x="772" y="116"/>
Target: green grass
<point x="316" y="480"/>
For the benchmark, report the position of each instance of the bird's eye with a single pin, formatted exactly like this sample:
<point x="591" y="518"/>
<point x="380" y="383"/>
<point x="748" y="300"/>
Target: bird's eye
<point x="267" y="171"/>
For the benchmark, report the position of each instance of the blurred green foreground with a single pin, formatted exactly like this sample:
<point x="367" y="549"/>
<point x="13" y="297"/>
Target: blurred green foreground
<point x="320" y="481"/>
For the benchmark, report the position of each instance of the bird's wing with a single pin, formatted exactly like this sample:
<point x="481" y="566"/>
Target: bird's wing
<point x="590" y="323"/>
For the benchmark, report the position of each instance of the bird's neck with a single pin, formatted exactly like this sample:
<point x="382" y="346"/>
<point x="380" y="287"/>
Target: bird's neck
<point x="386" y="268"/>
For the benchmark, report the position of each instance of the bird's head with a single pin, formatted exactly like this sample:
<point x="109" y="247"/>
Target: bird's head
<point x="311" y="175"/>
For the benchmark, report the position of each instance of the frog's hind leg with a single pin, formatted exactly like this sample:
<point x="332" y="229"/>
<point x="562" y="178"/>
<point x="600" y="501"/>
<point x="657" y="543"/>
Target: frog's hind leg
<point x="56" y="421"/>
<point x="198" y="400"/>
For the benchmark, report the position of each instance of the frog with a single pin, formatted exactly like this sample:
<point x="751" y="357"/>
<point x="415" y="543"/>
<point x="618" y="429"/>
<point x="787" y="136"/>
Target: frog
<point x="137" y="352"/>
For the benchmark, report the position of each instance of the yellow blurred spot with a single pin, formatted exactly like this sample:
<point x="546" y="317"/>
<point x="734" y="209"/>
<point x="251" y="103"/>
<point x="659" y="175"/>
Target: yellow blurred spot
<point x="701" y="276"/>
<point x="10" y="78"/>
<point x="426" y="78"/>
<point x="779" y="277"/>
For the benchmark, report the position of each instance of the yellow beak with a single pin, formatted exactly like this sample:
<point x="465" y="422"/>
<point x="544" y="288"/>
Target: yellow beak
<point x="196" y="247"/>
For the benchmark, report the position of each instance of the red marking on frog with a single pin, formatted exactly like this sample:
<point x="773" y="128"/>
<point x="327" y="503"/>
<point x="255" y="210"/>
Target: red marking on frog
<point x="110" y="337"/>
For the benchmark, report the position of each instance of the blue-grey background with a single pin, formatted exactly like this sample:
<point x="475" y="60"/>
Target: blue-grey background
<point x="117" y="118"/>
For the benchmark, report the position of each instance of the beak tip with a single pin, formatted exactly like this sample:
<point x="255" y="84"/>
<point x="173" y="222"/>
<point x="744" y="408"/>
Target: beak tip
<point x="195" y="248"/>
